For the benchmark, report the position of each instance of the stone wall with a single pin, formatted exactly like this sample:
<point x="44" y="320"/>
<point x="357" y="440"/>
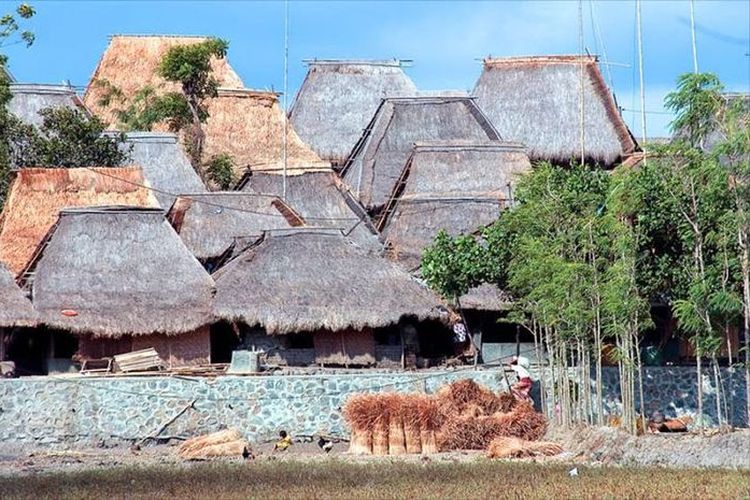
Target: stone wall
<point x="117" y="410"/>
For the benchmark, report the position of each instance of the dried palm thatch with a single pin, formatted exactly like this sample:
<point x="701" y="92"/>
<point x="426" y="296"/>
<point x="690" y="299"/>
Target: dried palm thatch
<point x="210" y="223"/>
<point x="510" y="447"/>
<point x="37" y="195"/>
<point x="130" y="63"/>
<point x="193" y="444"/>
<point x="411" y="417"/>
<point x="357" y="412"/>
<point x="309" y="279"/>
<point x="321" y="199"/>
<point x="15" y="308"/>
<point x="456" y="186"/>
<point x="377" y="161"/>
<point x="249" y="126"/>
<point x="30" y="98"/>
<point x="338" y="98"/>
<point x="238" y="448"/>
<point x="165" y="165"/>
<point x="113" y="271"/>
<point x="396" y="436"/>
<point x="486" y="297"/>
<point x="462" y="394"/>
<point x="537" y="101"/>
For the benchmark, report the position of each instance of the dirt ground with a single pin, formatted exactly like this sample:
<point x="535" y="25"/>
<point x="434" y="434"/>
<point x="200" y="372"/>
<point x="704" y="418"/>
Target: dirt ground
<point x="585" y="446"/>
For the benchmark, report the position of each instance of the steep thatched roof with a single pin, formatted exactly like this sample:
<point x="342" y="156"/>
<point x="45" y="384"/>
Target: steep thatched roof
<point x="130" y="63"/>
<point x="458" y="187"/>
<point x="536" y="101"/>
<point x="338" y="98"/>
<point x="377" y="160"/>
<point x="249" y="126"/>
<point x="320" y="199"/>
<point x="486" y="297"/>
<point x="30" y="98"/>
<point x="112" y="271"/>
<point x="36" y="196"/>
<point x="210" y="224"/>
<point x="316" y="279"/>
<point x="15" y="308"/>
<point x="165" y="165"/>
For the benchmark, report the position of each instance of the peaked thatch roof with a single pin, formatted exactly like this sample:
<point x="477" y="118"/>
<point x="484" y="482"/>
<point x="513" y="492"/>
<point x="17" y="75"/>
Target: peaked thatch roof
<point x="130" y="63"/>
<point x="112" y="271"/>
<point x="210" y="224"/>
<point x="36" y="196"/>
<point x="337" y="99"/>
<point x="486" y="297"/>
<point x="457" y="187"/>
<point x="30" y="98"/>
<point x="315" y="279"/>
<point x="321" y="199"/>
<point x="15" y="308"/>
<point x="377" y="160"/>
<point x="249" y="126"/>
<point x="165" y="165"/>
<point x="536" y="101"/>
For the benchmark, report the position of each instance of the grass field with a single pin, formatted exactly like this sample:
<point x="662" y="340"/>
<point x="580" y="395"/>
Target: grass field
<point x="339" y="479"/>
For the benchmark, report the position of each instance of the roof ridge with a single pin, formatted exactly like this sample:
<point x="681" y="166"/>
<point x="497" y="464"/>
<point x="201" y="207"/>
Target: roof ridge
<point x="539" y="59"/>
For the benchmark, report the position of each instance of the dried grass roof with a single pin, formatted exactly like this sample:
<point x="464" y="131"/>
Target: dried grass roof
<point x="122" y="272"/>
<point x="130" y="63"/>
<point x="316" y="279"/>
<point x="30" y="98"/>
<point x="211" y="223"/>
<point x="165" y="165"/>
<point x="457" y="187"/>
<point x="377" y="161"/>
<point x="337" y="99"/>
<point x="536" y="101"/>
<point x="15" y="308"/>
<point x="37" y="195"/>
<point x="321" y="199"/>
<point x="486" y="297"/>
<point x="249" y="126"/>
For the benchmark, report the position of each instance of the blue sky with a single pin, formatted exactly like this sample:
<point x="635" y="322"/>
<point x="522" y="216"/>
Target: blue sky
<point x="445" y="39"/>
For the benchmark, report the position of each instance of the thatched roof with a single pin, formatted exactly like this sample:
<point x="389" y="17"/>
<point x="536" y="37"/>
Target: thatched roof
<point x="15" y="308"/>
<point x="536" y="101"/>
<point x="457" y="187"/>
<point x="249" y="126"/>
<point x="210" y="224"/>
<point x="378" y="159"/>
<point x="337" y="99"/>
<point x="321" y="199"/>
<point x="486" y="297"/>
<point x="130" y="63"/>
<point x="36" y="196"/>
<point x="30" y="98"/>
<point x="316" y="279"/>
<point x="112" y="271"/>
<point x="165" y="165"/>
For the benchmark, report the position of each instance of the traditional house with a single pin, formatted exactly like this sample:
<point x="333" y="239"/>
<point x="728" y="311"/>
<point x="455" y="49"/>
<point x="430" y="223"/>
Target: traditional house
<point x="165" y="165"/>
<point x="320" y="198"/>
<point x="312" y="296"/>
<point x="537" y="101"/>
<point x="15" y="312"/>
<point x="377" y="161"/>
<point x="120" y="279"/>
<point x="338" y="98"/>
<point x="30" y="98"/>
<point x="456" y="186"/>
<point x="36" y="196"/>
<point x="214" y="226"/>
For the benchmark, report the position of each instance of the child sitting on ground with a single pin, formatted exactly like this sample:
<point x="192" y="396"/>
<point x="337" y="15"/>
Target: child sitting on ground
<point x="284" y="443"/>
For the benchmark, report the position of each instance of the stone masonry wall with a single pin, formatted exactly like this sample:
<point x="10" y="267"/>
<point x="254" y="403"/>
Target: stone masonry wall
<point x="88" y="410"/>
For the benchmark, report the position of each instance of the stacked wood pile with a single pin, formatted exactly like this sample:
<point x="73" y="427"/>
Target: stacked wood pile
<point x="226" y="443"/>
<point x="461" y="416"/>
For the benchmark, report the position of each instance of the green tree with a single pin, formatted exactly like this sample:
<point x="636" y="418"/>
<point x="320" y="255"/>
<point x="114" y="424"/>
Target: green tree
<point x="220" y="171"/>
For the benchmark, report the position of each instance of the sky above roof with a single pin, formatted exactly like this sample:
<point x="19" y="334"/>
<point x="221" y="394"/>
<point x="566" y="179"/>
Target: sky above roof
<point x="445" y="40"/>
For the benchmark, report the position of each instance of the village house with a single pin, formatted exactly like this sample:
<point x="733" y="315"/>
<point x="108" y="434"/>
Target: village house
<point x="110" y="280"/>
<point x="318" y="298"/>
<point x="16" y="316"/>
<point x="537" y="101"/>
<point x="30" y="98"/>
<point x="338" y="98"/>
<point x="377" y="161"/>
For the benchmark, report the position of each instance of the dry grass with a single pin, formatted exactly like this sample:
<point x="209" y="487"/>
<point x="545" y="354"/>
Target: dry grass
<point x="380" y="479"/>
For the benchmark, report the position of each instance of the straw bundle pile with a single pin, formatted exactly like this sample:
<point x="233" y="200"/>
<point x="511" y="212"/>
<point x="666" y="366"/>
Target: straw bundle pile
<point x="358" y="413"/>
<point x="226" y="443"/>
<point x="511" y="447"/>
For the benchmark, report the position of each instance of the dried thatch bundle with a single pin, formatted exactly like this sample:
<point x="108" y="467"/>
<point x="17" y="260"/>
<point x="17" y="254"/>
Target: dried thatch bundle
<point x="237" y="448"/>
<point x="506" y="401"/>
<point x="192" y="445"/>
<point x="510" y="447"/>
<point x="357" y="412"/>
<point x="380" y="428"/>
<point x="461" y="394"/>
<point x="523" y="422"/>
<point x="396" y="436"/>
<point x="411" y="418"/>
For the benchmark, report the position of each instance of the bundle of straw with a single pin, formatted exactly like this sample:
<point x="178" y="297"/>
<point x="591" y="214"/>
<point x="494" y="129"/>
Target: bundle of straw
<point x="510" y="447"/>
<point x="396" y="436"/>
<point x="410" y="416"/>
<point x="523" y="422"/>
<point x="193" y="445"/>
<point x="228" y="449"/>
<point x="358" y="414"/>
<point x="462" y="393"/>
<point x="380" y="426"/>
<point x="430" y="420"/>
